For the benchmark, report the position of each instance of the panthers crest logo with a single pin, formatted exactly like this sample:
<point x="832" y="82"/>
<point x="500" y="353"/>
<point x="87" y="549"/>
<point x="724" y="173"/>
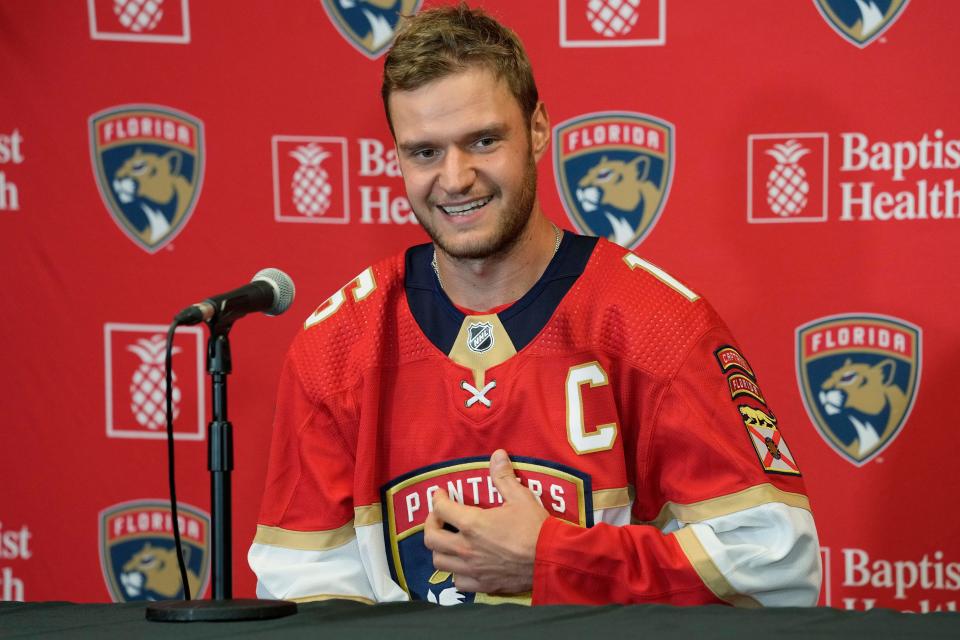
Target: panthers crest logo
<point x="407" y="500"/>
<point x="148" y="164"/>
<point x="858" y="377"/>
<point x="369" y="25"/>
<point x="861" y="22"/>
<point x="137" y="553"/>
<point x="613" y="172"/>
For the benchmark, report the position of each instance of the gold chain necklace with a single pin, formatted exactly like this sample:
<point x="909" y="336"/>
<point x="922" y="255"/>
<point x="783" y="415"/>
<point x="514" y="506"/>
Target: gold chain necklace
<point x="556" y="247"/>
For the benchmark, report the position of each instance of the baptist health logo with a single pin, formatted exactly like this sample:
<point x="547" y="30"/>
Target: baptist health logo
<point x="787" y="177"/>
<point x="313" y="183"/>
<point x="11" y="152"/>
<point x="861" y="22"/>
<point x="878" y="180"/>
<point x="136" y="386"/>
<point x="164" y="21"/>
<point x="613" y="23"/>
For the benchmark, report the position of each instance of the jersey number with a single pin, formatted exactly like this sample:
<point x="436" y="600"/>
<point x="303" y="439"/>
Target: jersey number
<point x="635" y="262"/>
<point x="361" y="286"/>
<point x="602" y="437"/>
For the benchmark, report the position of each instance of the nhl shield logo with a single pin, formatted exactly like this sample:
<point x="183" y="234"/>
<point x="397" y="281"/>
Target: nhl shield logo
<point x="369" y="25"/>
<point x="858" y="376"/>
<point x="613" y="172"/>
<point x="861" y="22"/>
<point x="148" y="164"/>
<point x="480" y="337"/>
<point x="137" y="553"/>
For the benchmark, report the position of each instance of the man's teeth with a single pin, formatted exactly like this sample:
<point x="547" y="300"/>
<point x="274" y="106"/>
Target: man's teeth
<point x="462" y="209"/>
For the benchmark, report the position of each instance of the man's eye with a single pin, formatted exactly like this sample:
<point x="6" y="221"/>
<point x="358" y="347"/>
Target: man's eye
<point x="486" y="142"/>
<point x="425" y="154"/>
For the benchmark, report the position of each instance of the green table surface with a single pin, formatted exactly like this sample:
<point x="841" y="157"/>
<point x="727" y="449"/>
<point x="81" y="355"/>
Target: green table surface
<point x="344" y="619"/>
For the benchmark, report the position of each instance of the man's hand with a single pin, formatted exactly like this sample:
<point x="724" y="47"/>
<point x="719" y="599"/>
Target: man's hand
<point x="493" y="549"/>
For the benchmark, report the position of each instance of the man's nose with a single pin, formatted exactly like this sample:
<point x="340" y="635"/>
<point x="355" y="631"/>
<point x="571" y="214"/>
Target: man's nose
<point x="457" y="172"/>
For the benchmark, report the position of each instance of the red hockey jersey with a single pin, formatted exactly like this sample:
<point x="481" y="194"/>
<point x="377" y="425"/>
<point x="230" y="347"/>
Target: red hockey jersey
<point x="624" y="403"/>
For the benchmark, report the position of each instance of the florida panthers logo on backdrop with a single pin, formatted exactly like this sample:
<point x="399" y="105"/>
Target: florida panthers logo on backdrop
<point x="137" y="553"/>
<point x="148" y="163"/>
<point x="369" y="25"/>
<point x="858" y="376"/>
<point x="613" y="172"/>
<point x="407" y="500"/>
<point x="861" y="21"/>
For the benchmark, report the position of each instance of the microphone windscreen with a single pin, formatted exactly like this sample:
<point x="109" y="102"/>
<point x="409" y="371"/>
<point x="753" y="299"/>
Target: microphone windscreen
<point x="283" y="287"/>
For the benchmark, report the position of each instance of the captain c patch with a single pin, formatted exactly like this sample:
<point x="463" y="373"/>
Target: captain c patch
<point x="768" y="442"/>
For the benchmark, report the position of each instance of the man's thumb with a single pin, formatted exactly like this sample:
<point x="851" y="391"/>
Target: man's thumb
<point x="504" y="478"/>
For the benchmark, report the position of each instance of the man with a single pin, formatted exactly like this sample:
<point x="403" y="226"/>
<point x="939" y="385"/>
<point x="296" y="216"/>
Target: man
<point x="650" y="468"/>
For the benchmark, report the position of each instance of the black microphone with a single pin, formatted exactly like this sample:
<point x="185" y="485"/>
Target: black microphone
<point x="271" y="291"/>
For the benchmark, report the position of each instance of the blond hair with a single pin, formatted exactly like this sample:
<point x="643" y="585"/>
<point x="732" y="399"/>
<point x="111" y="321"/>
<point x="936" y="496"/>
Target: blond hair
<point x="442" y="41"/>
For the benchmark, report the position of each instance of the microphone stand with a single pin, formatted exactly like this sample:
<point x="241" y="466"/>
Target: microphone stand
<point x="222" y="606"/>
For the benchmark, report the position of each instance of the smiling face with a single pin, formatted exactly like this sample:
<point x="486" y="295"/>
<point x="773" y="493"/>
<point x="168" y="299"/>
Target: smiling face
<point x="468" y="158"/>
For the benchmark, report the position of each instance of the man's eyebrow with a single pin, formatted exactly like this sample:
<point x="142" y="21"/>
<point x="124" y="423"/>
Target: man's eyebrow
<point x="494" y="129"/>
<point x="410" y="147"/>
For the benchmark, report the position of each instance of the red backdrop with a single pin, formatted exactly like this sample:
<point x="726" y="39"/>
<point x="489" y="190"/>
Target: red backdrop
<point x="264" y="121"/>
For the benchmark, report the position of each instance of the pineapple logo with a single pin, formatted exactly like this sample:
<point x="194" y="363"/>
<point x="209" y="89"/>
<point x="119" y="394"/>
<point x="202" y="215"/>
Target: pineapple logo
<point x="310" y="179"/>
<point x="135" y="380"/>
<point x="138" y="15"/>
<point x="166" y="21"/>
<point x="787" y="177"/>
<point x="613" y="23"/>
<point x="311" y="184"/>
<point x="148" y="386"/>
<point x="787" y="185"/>
<point x="611" y="18"/>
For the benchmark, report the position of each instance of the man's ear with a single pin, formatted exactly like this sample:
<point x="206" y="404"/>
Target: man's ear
<point x="539" y="130"/>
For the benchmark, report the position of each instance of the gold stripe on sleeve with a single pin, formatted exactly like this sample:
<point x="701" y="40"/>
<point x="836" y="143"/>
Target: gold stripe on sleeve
<point x="331" y="596"/>
<point x="523" y="599"/>
<point x="367" y="514"/>
<point x="305" y="540"/>
<point x="708" y="572"/>
<point x="611" y="498"/>
<point x="725" y="505"/>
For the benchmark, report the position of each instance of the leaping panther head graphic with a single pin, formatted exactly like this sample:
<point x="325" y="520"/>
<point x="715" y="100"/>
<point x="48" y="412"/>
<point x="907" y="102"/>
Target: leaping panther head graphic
<point x="154" y="181"/>
<point x="621" y="188"/>
<point x="870" y="400"/>
<point x="155" y="569"/>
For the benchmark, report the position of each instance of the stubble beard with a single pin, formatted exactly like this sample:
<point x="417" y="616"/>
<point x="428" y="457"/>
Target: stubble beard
<point x="509" y="229"/>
